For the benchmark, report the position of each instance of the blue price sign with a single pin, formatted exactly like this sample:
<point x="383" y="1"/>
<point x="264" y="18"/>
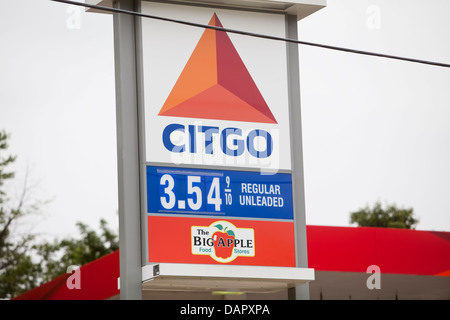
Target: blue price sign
<point x="219" y="192"/>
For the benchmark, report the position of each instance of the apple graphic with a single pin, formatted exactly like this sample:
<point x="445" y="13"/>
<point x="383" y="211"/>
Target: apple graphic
<point x="222" y="246"/>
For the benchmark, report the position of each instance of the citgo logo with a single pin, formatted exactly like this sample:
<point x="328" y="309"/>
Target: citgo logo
<point x="223" y="241"/>
<point x="216" y="74"/>
<point x="215" y="84"/>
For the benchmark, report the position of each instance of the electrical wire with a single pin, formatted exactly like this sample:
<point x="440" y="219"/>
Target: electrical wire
<point x="251" y="34"/>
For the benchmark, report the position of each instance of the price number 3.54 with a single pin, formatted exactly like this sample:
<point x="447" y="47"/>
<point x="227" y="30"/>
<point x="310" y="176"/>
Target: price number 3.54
<point x="190" y="193"/>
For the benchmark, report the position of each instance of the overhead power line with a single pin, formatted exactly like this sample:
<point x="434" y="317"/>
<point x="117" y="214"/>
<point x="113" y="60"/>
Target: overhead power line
<point x="252" y="34"/>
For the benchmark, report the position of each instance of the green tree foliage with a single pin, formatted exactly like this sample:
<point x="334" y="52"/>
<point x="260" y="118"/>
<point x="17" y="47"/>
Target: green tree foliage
<point x="59" y="255"/>
<point x="4" y="162"/>
<point x="26" y="263"/>
<point x="18" y="273"/>
<point x="389" y="217"/>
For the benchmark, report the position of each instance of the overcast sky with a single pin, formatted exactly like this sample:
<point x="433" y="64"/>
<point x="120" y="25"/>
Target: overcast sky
<point x="373" y="128"/>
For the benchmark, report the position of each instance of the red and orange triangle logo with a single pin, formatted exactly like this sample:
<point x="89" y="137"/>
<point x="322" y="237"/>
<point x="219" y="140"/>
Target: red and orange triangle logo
<point x="215" y="84"/>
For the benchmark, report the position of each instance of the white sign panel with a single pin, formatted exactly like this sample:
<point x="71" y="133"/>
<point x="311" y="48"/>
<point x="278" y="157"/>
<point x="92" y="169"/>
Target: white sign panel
<point x="212" y="97"/>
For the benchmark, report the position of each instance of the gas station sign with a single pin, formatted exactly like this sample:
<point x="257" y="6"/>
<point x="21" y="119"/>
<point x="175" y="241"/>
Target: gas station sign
<point x="216" y="105"/>
<point x="209" y="144"/>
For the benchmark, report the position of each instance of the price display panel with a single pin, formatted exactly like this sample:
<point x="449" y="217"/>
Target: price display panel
<point x="219" y="193"/>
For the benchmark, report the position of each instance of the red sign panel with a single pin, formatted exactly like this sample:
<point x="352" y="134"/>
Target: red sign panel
<point x="221" y="241"/>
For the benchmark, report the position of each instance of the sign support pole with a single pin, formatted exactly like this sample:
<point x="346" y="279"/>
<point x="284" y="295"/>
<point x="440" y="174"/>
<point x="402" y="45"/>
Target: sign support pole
<point x="299" y="292"/>
<point x="128" y="152"/>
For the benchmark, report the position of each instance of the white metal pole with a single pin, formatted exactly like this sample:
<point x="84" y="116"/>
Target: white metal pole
<point x="128" y="152"/>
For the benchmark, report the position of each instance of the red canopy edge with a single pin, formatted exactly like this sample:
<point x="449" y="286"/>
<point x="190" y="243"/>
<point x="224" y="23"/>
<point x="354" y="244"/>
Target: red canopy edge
<point x="98" y="281"/>
<point x="400" y="251"/>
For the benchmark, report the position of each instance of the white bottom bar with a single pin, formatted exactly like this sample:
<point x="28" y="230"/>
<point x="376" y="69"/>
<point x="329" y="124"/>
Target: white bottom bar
<point x="205" y="277"/>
